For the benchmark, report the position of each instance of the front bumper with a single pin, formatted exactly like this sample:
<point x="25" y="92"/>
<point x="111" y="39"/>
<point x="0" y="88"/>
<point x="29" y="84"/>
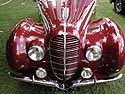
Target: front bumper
<point x="54" y="83"/>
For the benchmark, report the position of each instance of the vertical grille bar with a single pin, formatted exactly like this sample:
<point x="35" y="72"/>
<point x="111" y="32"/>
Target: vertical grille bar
<point x="65" y="22"/>
<point x="64" y="57"/>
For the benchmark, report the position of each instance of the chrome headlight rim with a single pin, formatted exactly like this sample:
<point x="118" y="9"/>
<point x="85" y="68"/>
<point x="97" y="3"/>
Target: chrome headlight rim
<point x="39" y="51"/>
<point x="86" y="73"/>
<point x="93" y="53"/>
<point x="41" y="73"/>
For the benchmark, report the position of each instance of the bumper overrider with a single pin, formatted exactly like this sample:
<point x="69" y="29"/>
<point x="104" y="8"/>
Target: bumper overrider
<point x="54" y="83"/>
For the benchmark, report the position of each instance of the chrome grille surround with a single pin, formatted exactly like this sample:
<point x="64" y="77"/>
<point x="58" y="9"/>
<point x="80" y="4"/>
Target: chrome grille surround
<point x="64" y="56"/>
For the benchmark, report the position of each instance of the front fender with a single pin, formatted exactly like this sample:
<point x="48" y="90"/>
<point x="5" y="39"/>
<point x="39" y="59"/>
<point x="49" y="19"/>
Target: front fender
<point x="106" y="34"/>
<point x="26" y="33"/>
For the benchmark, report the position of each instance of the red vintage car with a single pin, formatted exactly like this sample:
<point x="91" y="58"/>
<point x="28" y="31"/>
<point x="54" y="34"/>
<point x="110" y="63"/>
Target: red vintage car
<point x="67" y="49"/>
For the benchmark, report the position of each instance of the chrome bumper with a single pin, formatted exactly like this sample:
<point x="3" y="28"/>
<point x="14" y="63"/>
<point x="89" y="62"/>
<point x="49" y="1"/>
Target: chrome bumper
<point x="56" y="84"/>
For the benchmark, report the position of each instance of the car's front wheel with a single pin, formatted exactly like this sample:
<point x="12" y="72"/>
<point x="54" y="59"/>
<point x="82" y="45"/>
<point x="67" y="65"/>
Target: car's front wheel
<point x="118" y="6"/>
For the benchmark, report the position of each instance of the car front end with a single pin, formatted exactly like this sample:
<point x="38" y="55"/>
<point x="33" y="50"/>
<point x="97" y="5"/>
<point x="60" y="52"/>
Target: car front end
<point x="68" y="49"/>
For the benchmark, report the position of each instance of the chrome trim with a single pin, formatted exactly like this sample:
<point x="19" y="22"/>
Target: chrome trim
<point x="45" y="21"/>
<point x="76" y="41"/>
<point x="54" y="83"/>
<point x="57" y="56"/>
<point x="73" y="42"/>
<point x="56" y="50"/>
<point x="86" y="73"/>
<point x="73" y="50"/>
<point x="63" y="75"/>
<point x="65" y="34"/>
<point x="65" y="57"/>
<point x="90" y="14"/>
<point x="72" y="57"/>
<point x="94" y="81"/>
<point x="67" y="50"/>
<point x="56" y="42"/>
<point x="38" y="73"/>
<point x="40" y="53"/>
<point x="65" y="15"/>
<point x="66" y="70"/>
<point x="118" y="5"/>
<point x="93" y="53"/>
<point x="63" y="64"/>
<point x="64" y="52"/>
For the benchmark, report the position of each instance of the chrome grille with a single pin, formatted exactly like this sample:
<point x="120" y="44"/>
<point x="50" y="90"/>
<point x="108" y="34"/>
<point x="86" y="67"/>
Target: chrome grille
<point x="64" y="70"/>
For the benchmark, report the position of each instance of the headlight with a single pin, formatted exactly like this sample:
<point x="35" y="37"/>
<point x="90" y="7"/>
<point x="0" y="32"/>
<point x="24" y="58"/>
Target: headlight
<point x="36" y="53"/>
<point x="93" y="53"/>
<point x="41" y="73"/>
<point x="86" y="73"/>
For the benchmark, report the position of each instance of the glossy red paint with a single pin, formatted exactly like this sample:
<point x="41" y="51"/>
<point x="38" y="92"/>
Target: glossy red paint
<point x="104" y="33"/>
<point x="26" y="34"/>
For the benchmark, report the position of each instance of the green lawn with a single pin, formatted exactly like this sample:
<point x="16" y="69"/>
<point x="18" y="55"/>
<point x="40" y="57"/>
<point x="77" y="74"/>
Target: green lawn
<point x="13" y="12"/>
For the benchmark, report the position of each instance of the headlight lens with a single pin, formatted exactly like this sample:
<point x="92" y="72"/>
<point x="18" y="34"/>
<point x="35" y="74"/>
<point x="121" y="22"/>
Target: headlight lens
<point x="41" y="73"/>
<point x="86" y="73"/>
<point x="93" y="53"/>
<point x="36" y="53"/>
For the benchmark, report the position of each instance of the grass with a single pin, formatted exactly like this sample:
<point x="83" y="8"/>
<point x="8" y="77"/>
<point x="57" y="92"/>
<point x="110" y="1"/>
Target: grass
<point x="12" y="13"/>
